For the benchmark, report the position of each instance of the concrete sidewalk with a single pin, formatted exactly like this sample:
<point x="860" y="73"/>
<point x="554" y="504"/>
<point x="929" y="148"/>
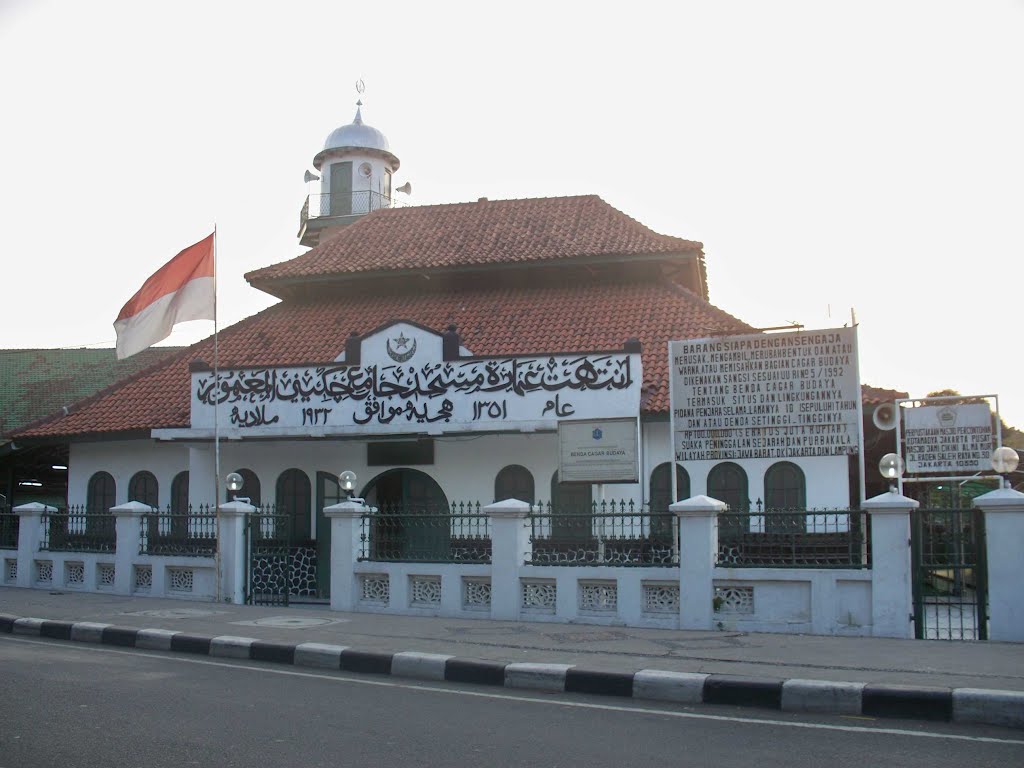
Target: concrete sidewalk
<point x="610" y="650"/>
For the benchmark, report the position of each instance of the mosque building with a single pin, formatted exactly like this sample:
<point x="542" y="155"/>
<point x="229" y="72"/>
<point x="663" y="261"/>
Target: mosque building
<point x="443" y="353"/>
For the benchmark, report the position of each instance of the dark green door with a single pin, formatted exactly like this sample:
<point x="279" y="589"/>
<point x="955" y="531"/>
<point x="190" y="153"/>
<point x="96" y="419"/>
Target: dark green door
<point x="341" y="189"/>
<point x="328" y="493"/>
<point x="413" y="521"/>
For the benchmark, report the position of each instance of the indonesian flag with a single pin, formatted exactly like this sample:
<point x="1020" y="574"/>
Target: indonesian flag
<point x="182" y="289"/>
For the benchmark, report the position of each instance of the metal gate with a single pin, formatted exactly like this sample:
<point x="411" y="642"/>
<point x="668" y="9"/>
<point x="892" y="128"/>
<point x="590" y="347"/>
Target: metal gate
<point x="268" y="540"/>
<point x="949" y="574"/>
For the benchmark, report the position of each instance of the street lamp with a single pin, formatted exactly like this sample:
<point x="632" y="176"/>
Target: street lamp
<point x="347" y="480"/>
<point x="891" y="467"/>
<point x="1005" y="461"/>
<point x="234" y="482"/>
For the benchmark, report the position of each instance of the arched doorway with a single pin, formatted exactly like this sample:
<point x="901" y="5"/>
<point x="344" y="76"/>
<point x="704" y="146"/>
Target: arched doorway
<point x="400" y="494"/>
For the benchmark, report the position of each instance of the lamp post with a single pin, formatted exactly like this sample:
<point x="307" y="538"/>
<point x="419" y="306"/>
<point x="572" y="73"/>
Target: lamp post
<point x="891" y="467"/>
<point x="347" y="480"/>
<point x="1005" y="461"/>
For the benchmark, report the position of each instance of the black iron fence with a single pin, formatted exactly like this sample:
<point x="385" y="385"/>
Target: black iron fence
<point x="611" y="533"/>
<point x="191" y="533"/>
<point x="8" y="528"/>
<point x="794" y="538"/>
<point x="77" y="530"/>
<point x="458" y="533"/>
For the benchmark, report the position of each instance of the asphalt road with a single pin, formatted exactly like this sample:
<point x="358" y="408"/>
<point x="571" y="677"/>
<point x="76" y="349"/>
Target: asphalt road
<point x="62" y="704"/>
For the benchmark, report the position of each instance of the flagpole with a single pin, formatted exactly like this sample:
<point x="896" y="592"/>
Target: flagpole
<point x="216" y="417"/>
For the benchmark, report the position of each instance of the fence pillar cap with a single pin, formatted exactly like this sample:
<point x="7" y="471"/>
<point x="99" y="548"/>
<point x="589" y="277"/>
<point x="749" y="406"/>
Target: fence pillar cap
<point x="346" y="509"/>
<point x="890" y="502"/>
<point x="34" y="508"/>
<point x="698" y="506"/>
<point x="132" y="508"/>
<point x="230" y="508"/>
<point x="1002" y="500"/>
<point x="508" y="508"/>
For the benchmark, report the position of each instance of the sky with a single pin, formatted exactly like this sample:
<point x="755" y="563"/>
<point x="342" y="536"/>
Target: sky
<point x="833" y="157"/>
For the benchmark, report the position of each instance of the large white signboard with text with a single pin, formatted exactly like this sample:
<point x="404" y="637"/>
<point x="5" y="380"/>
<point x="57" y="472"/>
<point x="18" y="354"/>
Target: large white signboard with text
<point x="948" y="438"/>
<point x="780" y="395"/>
<point x="430" y="396"/>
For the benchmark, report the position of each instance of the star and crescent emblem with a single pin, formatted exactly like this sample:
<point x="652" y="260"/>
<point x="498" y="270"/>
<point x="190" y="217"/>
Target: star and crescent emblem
<point x="401" y="342"/>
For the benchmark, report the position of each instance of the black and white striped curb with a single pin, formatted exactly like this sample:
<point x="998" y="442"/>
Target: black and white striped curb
<point x="963" y="705"/>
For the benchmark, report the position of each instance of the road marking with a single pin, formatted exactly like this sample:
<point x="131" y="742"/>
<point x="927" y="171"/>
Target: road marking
<point x="339" y="677"/>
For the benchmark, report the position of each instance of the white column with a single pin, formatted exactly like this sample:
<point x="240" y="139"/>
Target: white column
<point x="233" y="517"/>
<point x="1004" y="538"/>
<point x="698" y="551"/>
<point x="128" y="527"/>
<point x="510" y="540"/>
<point x="201" y="478"/>
<point x="30" y="536"/>
<point x="892" y="604"/>
<point x="346" y="519"/>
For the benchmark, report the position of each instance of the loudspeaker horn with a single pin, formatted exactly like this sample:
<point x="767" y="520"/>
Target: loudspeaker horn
<point x="405" y="188"/>
<point x="884" y="416"/>
<point x="310" y="176"/>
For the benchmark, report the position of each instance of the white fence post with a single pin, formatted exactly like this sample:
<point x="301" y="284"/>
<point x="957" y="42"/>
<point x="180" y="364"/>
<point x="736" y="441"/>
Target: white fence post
<point x="510" y="539"/>
<point x="30" y="536"/>
<point x="128" y="530"/>
<point x="698" y="551"/>
<point x="233" y="516"/>
<point x="1004" y="534"/>
<point x="346" y="519"/>
<point x="892" y="605"/>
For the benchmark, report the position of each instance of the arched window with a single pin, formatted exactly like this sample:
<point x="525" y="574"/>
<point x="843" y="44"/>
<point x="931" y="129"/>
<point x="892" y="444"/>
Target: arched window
<point x="514" y="482"/>
<point x="661" y="487"/>
<point x="570" y="503"/>
<point x="250" y="487"/>
<point x="144" y="489"/>
<point x="179" y="505"/>
<point x="728" y="482"/>
<point x="179" y="493"/>
<point x="100" y="495"/>
<point x="294" y="497"/>
<point x="784" y="488"/>
<point x="661" y="496"/>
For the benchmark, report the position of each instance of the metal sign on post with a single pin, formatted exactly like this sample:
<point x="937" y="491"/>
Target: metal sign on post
<point x="598" y="451"/>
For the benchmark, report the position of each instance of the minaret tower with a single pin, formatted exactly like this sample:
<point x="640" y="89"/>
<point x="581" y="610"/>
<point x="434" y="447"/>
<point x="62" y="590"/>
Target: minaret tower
<point x="356" y="168"/>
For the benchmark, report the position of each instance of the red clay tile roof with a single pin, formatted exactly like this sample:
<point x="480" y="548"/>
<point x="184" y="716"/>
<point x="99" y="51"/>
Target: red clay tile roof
<point x="473" y="234"/>
<point x="491" y="322"/>
<point x="877" y="395"/>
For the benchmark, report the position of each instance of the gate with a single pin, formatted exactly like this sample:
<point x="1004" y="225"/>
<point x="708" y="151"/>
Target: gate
<point x="950" y="575"/>
<point x="268" y="542"/>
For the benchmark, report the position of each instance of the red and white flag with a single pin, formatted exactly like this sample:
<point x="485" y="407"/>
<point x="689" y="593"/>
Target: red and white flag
<point x="182" y="289"/>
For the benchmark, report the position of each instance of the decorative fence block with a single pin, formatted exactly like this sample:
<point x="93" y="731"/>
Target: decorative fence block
<point x="105" y="576"/>
<point x="10" y="570"/>
<point x="44" y="571"/>
<point x="539" y="595"/>
<point x="74" y="574"/>
<point x="734" y="600"/>
<point x="476" y="593"/>
<point x="425" y="591"/>
<point x="143" y="581"/>
<point x="598" y="597"/>
<point x="375" y="588"/>
<point x="661" y="597"/>
<point x="180" y="579"/>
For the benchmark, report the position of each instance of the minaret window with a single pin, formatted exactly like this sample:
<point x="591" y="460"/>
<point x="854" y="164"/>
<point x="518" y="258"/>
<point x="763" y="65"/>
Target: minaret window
<point x="341" y="189"/>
